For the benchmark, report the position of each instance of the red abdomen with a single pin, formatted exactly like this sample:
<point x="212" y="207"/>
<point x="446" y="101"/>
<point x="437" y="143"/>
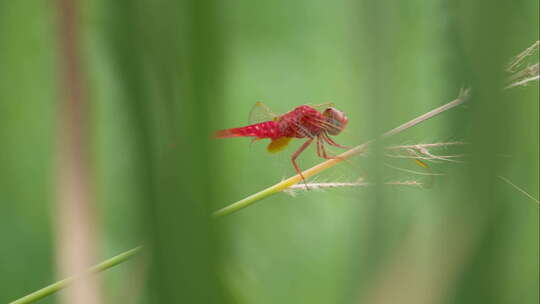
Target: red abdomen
<point x="267" y="129"/>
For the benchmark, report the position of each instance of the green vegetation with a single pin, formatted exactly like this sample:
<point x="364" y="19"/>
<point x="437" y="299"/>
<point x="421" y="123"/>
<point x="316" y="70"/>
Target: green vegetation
<point x="160" y="76"/>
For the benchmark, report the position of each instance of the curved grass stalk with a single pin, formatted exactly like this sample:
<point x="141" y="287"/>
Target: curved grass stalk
<point x="40" y="294"/>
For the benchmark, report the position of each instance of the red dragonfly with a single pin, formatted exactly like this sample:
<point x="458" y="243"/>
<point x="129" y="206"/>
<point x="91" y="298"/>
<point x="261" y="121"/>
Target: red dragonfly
<point x="302" y="122"/>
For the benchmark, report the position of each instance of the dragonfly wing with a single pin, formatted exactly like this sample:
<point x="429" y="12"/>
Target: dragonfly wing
<point x="322" y="106"/>
<point x="278" y="144"/>
<point x="260" y="113"/>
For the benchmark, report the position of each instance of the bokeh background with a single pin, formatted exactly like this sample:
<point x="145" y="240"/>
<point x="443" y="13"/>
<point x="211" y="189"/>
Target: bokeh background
<point x="106" y="115"/>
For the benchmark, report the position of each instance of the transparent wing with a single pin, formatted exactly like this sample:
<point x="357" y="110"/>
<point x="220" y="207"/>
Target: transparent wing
<point x="260" y="112"/>
<point x="322" y="106"/>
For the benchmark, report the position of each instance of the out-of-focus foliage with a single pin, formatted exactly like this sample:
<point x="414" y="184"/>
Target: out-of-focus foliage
<point x="27" y="102"/>
<point x="164" y="74"/>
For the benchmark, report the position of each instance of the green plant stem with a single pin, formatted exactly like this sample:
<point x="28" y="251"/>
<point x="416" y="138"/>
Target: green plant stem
<point x="40" y="294"/>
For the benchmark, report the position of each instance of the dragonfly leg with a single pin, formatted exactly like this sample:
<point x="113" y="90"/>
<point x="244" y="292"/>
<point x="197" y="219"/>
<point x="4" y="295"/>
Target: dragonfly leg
<point x="295" y="156"/>
<point x="323" y="153"/>
<point x="333" y="143"/>
<point x="319" y="148"/>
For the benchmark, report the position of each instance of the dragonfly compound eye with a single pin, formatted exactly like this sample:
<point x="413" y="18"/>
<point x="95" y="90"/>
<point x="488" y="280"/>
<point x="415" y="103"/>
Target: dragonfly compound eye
<point x="336" y="121"/>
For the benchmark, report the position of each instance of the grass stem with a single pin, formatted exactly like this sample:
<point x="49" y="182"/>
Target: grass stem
<point x="48" y="290"/>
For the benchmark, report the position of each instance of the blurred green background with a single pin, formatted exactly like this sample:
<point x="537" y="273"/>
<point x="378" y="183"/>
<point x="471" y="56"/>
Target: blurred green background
<point x="161" y="76"/>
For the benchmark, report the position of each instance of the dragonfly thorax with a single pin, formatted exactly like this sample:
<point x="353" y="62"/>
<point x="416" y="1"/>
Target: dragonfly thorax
<point x="303" y="121"/>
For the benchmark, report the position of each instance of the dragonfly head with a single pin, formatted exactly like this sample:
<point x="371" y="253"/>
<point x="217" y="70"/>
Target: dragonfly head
<point x="336" y="121"/>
